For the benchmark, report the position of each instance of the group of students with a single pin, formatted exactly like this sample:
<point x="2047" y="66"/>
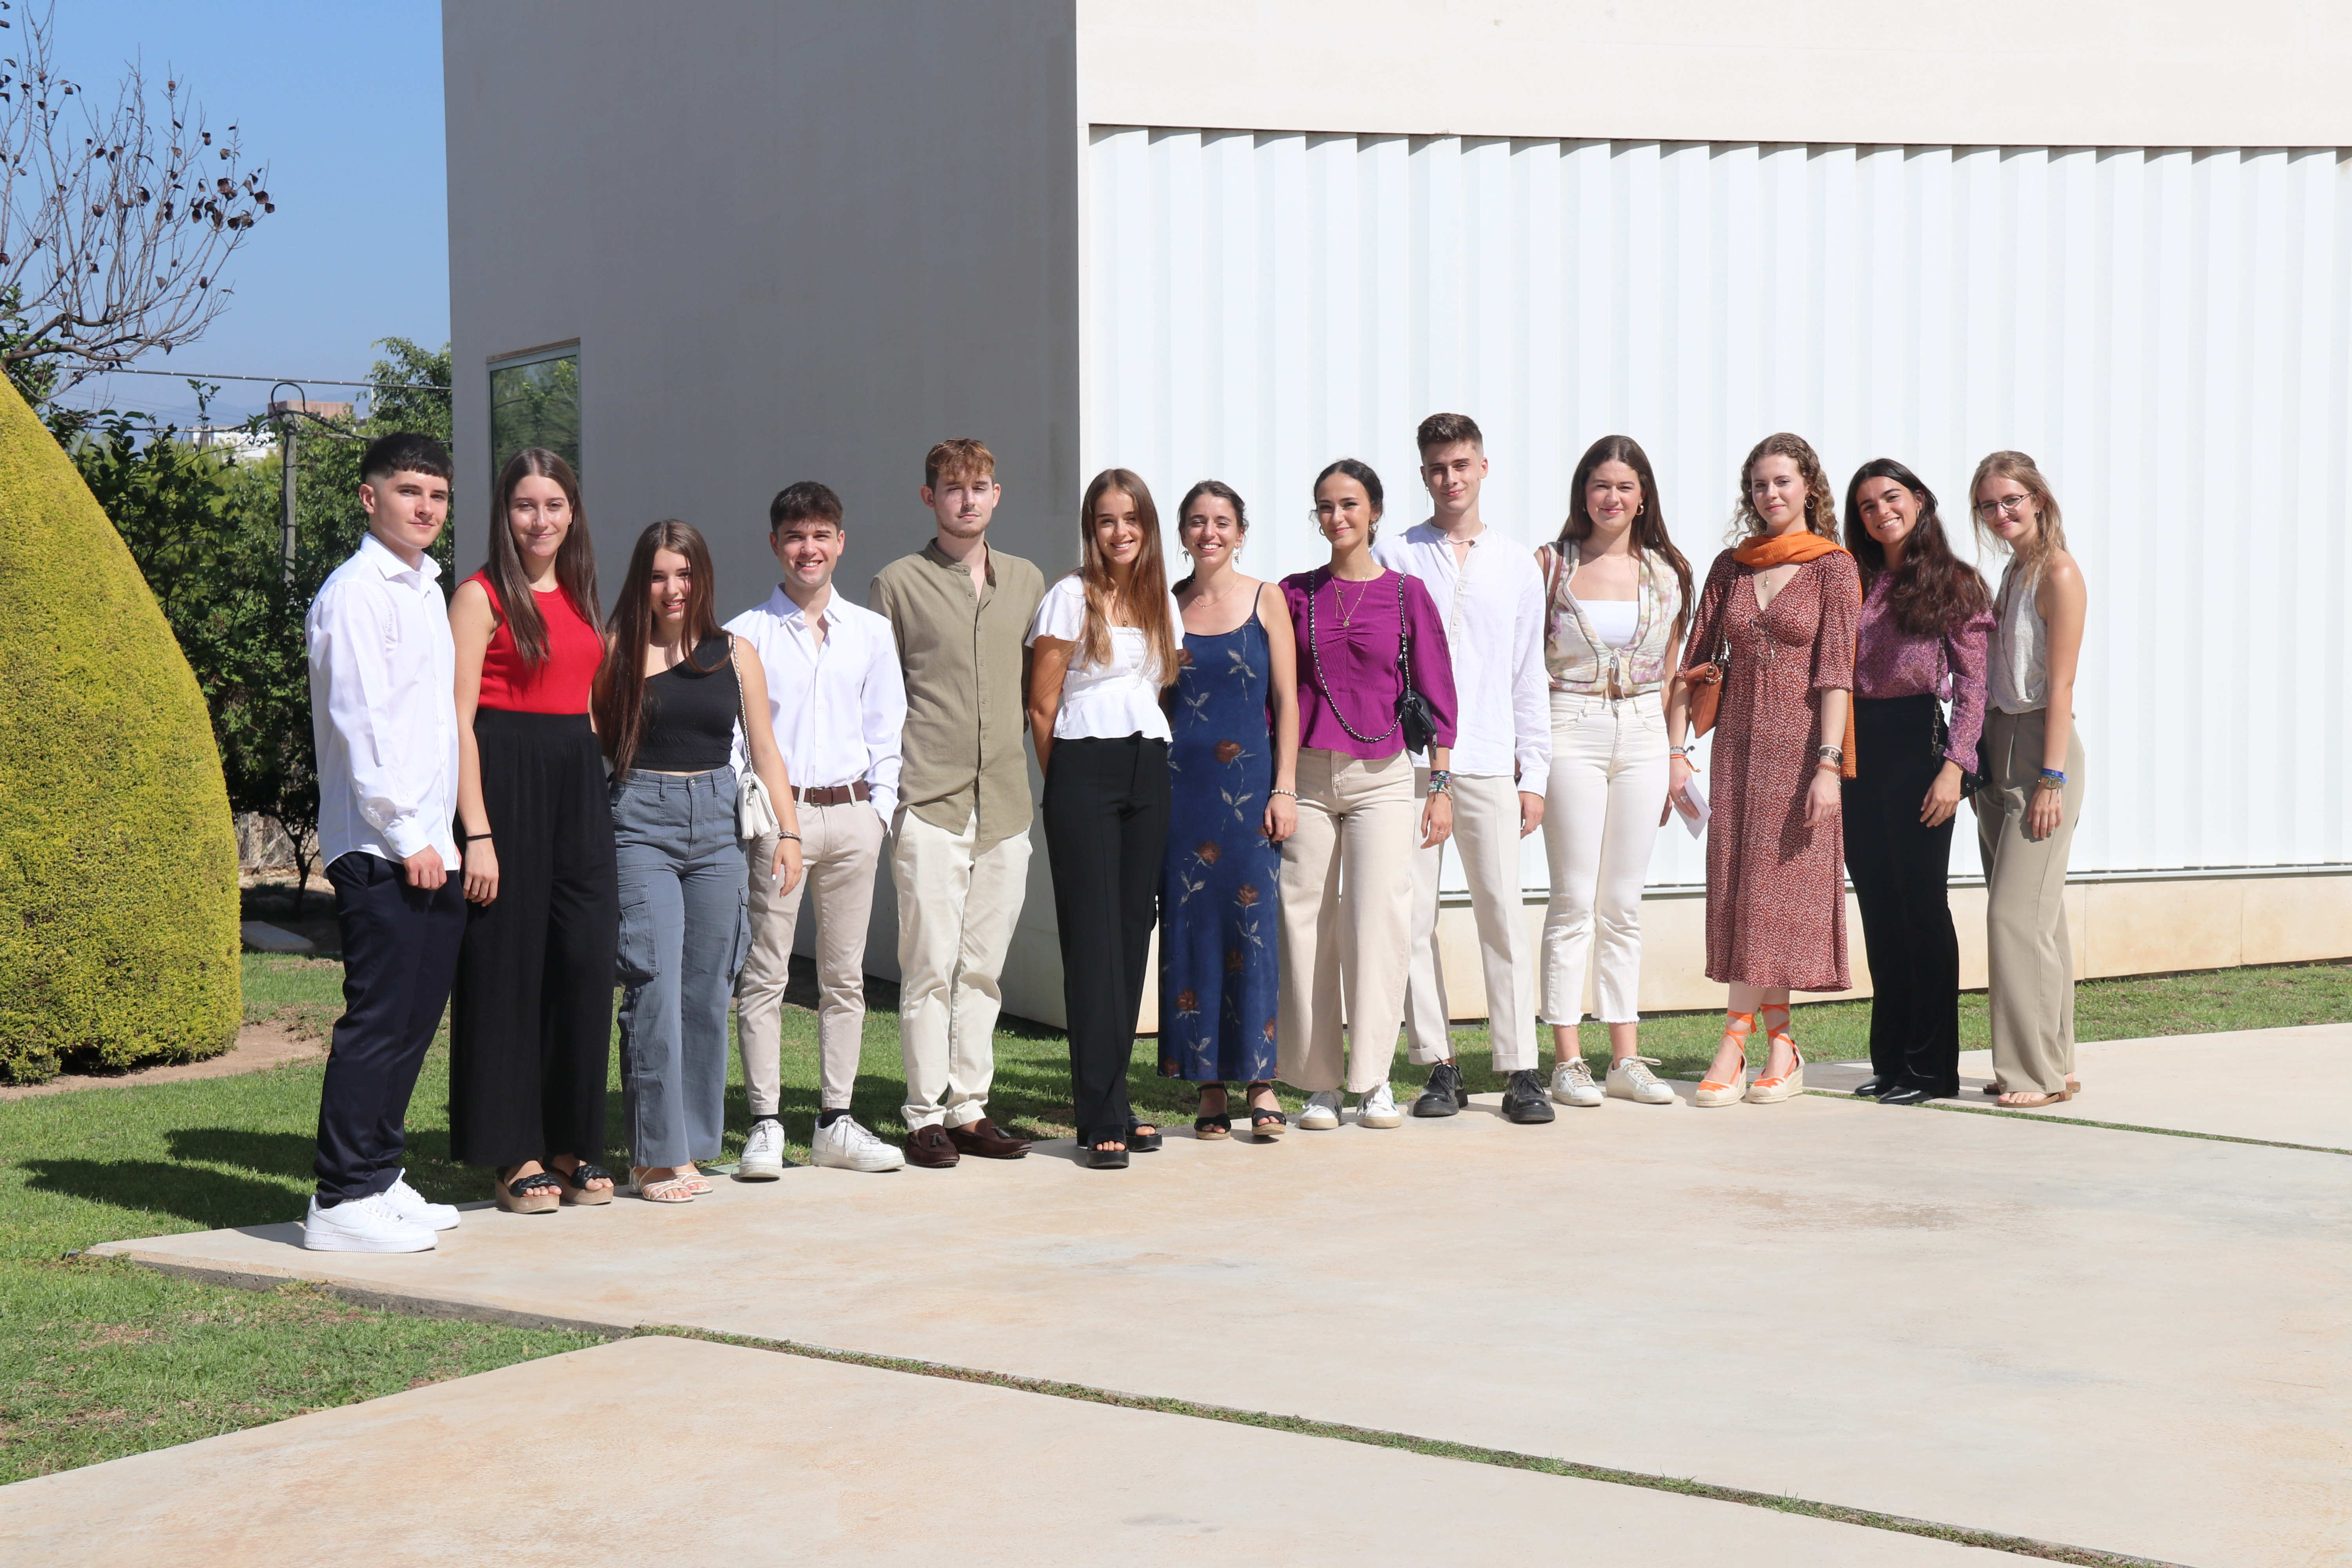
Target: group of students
<point x="523" y="799"/>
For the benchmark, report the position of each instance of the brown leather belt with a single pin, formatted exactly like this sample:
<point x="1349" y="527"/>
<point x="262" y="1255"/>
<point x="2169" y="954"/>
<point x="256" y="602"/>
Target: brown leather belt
<point x="834" y="795"/>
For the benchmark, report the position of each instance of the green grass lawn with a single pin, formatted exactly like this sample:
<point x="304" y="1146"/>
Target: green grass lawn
<point x="100" y="1358"/>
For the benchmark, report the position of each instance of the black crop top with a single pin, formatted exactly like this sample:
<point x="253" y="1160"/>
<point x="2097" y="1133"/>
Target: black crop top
<point x="691" y="715"/>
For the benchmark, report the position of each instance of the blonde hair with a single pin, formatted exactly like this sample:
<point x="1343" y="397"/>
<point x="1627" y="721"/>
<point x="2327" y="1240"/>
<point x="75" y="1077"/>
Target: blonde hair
<point x="2048" y="534"/>
<point x="1821" y="505"/>
<point x="1146" y="580"/>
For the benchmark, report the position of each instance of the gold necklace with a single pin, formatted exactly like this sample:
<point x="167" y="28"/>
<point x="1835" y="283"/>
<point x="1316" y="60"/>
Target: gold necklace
<point x="1346" y="614"/>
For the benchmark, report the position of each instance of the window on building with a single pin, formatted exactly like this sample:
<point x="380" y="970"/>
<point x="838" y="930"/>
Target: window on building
<point x="535" y="402"/>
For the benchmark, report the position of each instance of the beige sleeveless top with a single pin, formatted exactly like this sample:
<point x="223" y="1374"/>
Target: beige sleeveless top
<point x="2017" y="666"/>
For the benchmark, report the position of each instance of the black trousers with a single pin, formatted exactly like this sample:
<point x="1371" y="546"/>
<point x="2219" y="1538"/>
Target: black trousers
<point x="1106" y="830"/>
<point x="530" y="1027"/>
<point x="400" y="949"/>
<point x="1900" y="871"/>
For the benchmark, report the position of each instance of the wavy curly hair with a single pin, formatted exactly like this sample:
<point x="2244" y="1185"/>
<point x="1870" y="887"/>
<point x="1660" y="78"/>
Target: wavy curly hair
<point x="1821" y="502"/>
<point x="1934" y="590"/>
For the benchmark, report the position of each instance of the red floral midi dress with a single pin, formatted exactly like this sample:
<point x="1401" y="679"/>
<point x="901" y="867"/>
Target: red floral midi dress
<point x="1775" y="889"/>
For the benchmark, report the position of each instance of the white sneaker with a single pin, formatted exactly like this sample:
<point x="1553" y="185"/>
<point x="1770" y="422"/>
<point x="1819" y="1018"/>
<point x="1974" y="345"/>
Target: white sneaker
<point x="764" y="1151"/>
<point x="1321" y="1111"/>
<point x="1571" y="1084"/>
<point x="410" y="1204"/>
<point x="363" y="1225"/>
<point x="1629" y="1078"/>
<point x="846" y="1146"/>
<point x="1376" y="1106"/>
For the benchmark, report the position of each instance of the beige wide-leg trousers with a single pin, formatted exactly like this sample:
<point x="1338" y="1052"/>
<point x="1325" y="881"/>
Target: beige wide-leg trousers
<point x="2029" y="959"/>
<point x="840" y="845"/>
<point x="1486" y="836"/>
<point x="957" y="908"/>
<point x="1347" y="918"/>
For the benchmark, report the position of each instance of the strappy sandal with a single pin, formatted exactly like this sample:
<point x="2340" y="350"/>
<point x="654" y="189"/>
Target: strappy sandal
<point x="538" y="1193"/>
<point x="1209" y="1129"/>
<point x="575" y="1181"/>
<point x="2032" y="1099"/>
<point x="1788" y="1086"/>
<point x="1713" y="1091"/>
<point x="696" y="1182"/>
<point x="668" y="1190"/>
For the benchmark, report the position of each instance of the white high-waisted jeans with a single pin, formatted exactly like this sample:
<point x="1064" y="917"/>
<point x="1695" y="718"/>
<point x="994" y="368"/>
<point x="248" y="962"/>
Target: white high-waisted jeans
<point x="1600" y="818"/>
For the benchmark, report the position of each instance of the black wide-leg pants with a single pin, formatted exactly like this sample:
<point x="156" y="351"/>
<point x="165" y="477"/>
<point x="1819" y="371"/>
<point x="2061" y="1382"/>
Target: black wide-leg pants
<point x="1901" y="870"/>
<point x="1107" y="804"/>
<point x="530" y="1024"/>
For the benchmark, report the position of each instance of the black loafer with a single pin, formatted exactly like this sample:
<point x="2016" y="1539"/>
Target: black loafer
<point x="1443" y="1095"/>
<point x="1525" y="1100"/>
<point x="1872" y="1088"/>
<point x="1909" y="1094"/>
<point x="1107" y="1159"/>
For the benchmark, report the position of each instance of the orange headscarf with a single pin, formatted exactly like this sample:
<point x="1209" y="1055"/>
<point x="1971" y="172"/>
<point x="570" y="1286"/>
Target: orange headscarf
<point x="1799" y="545"/>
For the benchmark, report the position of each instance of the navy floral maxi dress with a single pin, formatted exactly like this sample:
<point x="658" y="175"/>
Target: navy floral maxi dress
<point x="1219" y="919"/>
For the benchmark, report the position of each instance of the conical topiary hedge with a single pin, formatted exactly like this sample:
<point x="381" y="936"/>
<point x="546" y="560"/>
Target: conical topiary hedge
<point x="117" y="862"/>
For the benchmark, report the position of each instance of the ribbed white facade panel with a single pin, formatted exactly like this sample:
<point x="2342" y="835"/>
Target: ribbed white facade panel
<point x="2169" y="332"/>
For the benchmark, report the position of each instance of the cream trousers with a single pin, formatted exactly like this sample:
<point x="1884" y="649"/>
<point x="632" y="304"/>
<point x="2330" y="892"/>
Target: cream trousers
<point x="1486" y="836"/>
<point x="2028" y="956"/>
<point x="1601" y="821"/>
<point x="1356" y="823"/>
<point x="956" y="908"/>
<point x="840" y="845"/>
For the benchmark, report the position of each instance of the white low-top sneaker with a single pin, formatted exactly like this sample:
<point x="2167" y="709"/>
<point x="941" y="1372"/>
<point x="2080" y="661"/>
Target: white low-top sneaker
<point x="1629" y="1078"/>
<point x="411" y="1204"/>
<point x="1321" y="1111"/>
<point x="764" y="1151"/>
<point x="1571" y="1084"/>
<point x="363" y="1225"/>
<point x="846" y="1146"/>
<point x="1376" y="1106"/>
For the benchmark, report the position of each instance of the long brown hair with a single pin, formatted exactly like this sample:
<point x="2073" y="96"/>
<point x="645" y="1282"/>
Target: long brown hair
<point x="1649" y="524"/>
<point x="619" y="702"/>
<point x="1932" y="590"/>
<point x="1146" y="580"/>
<point x="1821" y="506"/>
<point x="2052" y="534"/>
<point x="575" y="558"/>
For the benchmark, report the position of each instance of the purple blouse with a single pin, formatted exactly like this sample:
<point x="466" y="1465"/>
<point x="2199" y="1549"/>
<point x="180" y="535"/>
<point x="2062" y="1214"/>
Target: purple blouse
<point x="1891" y="662"/>
<point x="1357" y="652"/>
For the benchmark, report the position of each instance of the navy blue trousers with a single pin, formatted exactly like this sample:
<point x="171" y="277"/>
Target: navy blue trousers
<point x="400" y="957"/>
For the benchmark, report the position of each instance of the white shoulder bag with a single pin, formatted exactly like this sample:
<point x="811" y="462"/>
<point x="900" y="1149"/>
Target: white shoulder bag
<point x="755" y="810"/>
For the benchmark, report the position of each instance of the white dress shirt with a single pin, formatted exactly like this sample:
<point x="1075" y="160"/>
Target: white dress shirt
<point x="837" y="706"/>
<point x="1117" y="698"/>
<point x="1494" y="612"/>
<point x="384" y="708"/>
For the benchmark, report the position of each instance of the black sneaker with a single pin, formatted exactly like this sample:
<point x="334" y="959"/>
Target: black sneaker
<point x="1443" y="1095"/>
<point x="1525" y="1100"/>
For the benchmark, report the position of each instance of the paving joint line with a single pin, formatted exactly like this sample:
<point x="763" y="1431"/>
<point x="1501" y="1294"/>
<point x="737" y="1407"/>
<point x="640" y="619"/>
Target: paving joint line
<point x="2009" y="1115"/>
<point x="1373" y="1437"/>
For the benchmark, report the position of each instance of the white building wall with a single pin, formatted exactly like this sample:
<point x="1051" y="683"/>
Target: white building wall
<point x="2169" y="332"/>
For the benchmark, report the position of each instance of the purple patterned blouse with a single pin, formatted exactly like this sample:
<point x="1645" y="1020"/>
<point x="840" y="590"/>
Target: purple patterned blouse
<point x="1890" y="662"/>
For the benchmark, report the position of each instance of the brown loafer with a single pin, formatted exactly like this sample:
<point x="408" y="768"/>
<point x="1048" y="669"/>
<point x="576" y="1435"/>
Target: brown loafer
<point x="984" y="1139"/>
<point x="930" y="1147"/>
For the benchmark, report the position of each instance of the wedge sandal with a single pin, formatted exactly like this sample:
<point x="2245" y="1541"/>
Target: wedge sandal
<point x="575" y="1181"/>
<point x="538" y="1193"/>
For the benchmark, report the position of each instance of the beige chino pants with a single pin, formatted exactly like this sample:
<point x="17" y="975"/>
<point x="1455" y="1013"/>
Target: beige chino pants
<point x="2028" y="956"/>
<point x="957" y="908"/>
<point x="840" y="846"/>
<point x="1486" y="836"/>
<point x="1355" y="823"/>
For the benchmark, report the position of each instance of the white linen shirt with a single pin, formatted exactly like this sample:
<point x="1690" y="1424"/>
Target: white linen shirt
<point x="1494" y="616"/>
<point x="384" y="708"/>
<point x="1104" y="701"/>
<point x="837" y="707"/>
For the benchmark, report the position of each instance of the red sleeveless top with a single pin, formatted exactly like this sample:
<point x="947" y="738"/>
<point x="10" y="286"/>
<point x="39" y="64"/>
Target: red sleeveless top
<point x="559" y="685"/>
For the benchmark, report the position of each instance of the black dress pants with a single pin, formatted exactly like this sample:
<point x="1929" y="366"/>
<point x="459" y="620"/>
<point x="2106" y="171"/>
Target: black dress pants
<point x="1107" y="830"/>
<point x="1900" y="870"/>
<point x="400" y="949"/>
<point x="530" y="1027"/>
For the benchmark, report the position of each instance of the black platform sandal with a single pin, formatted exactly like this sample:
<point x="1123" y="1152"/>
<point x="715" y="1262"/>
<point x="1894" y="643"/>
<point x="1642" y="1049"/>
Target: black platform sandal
<point x="1209" y="1128"/>
<point x="1142" y="1142"/>
<point x="1105" y="1158"/>
<point x="575" y="1181"/>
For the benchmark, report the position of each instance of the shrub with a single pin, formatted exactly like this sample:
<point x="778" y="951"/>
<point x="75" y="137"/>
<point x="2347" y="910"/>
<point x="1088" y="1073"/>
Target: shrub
<point x="118" y="860"/>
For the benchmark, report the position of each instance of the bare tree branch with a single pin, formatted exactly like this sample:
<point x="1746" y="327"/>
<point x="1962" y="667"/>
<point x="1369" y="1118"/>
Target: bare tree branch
<point x="113" y="227"/>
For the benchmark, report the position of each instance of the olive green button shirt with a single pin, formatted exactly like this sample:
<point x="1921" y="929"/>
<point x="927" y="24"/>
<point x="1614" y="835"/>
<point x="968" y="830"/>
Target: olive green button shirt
<point x="966" y="714"/>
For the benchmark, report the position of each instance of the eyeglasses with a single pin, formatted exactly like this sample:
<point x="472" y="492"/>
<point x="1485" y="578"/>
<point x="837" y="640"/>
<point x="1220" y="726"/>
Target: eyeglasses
<point x="2008" y="505"/>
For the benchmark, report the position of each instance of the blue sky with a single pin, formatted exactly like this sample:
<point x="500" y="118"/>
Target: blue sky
<point x="342" y="101"/>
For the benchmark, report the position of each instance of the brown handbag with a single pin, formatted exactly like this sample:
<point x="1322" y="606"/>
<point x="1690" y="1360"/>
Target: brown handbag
<point x="1704" y="682"/>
